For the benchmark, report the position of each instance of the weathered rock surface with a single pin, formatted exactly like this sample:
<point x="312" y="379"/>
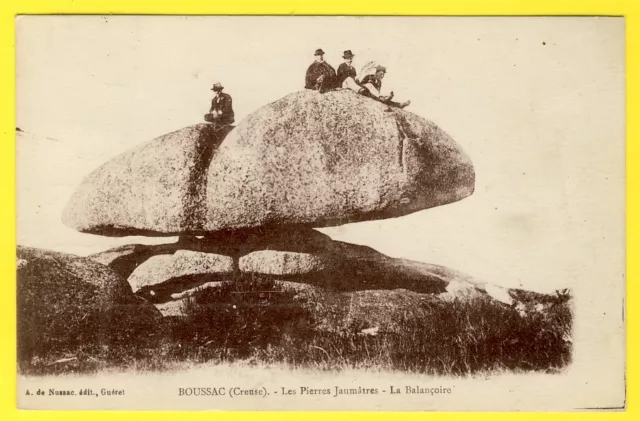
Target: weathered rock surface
<point x="154" y="189"/>
<point x="285" y="263"/>
<point x="303" y="159"/>
<point x="301" y="255"/>
<point x="355" y="267"/>
<point x="157" y="270"/>
<point x="175" y="306"/>
<point x="66" y="301"/>
<point x="125" y="259"/>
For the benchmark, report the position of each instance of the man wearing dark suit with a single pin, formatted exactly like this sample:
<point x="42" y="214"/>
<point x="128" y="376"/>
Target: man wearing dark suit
<point x="373" y="84"/>
<point x="346" y="70"/>
<point x="320" y="75"/>
<point x="221" y="111"/>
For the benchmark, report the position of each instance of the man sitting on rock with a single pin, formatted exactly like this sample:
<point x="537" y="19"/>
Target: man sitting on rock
<point x="373" y="84"/>
<point x="221" y="111"/>
<point x="320" y="75"/>
<point x="347" y="74"/>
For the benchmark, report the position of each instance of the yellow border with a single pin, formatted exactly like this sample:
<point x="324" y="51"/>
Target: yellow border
<point x="628" y="8"/>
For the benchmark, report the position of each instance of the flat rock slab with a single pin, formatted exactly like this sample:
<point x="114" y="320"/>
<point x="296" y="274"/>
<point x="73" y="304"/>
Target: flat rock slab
<point x="301" y="160"/>
<point x="284" y="263"/>
<point x="125" y="259"/>
<point x="159" y="269"/>
<point x="301" y="255"/>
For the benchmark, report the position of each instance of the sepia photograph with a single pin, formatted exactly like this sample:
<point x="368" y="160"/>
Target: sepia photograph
<point x="320" y="213"/>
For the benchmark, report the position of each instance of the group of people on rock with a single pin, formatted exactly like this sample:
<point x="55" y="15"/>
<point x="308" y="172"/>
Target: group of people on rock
<point x="323" y="78"/>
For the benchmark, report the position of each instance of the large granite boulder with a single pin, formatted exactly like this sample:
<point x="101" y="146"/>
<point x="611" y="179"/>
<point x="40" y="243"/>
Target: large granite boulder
<point x="306" y="159"/>
<point x="156" y="188"/>
<point x="331" y="159"/>
<point x="66" y="302"/>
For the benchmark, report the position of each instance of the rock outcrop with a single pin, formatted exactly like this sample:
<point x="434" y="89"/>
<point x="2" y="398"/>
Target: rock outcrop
<point x="345" y="285"/>
<point x="169" y="272"/>
<point x="302" y="160"/>
<point x="66" y="301"/>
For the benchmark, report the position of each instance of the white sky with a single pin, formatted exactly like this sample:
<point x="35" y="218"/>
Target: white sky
<point x="537" y="103"/>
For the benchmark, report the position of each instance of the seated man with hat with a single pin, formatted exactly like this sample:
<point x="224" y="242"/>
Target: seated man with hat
<point x="347" y="73"/>
<point x="320" y="75"/>
<point x="221" y="111"/>
<point x="373" y="84"/>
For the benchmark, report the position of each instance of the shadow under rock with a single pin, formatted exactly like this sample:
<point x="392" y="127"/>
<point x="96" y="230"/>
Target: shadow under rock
<point x="348" y="267"/>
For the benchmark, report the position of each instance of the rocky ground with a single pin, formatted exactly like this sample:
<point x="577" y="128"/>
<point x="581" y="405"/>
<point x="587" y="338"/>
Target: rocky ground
<point x="71" y="322"/>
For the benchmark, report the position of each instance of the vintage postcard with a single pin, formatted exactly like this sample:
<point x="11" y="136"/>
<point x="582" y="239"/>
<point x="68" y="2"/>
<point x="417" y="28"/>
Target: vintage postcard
<point x="320" y="213"/>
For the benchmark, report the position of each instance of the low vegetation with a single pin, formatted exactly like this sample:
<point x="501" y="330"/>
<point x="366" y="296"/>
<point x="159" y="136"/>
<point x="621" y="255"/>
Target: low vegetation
<point x="257" y="321"/>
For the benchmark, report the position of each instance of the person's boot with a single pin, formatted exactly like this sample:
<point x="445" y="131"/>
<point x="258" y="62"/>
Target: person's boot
<point x="405" y="104"/>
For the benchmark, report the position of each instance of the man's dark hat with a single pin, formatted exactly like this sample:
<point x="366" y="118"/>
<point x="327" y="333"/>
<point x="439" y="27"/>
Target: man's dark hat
<point x="348" y="54"/>
<point x="319" y="52"/>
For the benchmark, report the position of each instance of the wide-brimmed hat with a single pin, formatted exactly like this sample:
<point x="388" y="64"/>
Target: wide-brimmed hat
<point x="348" y="54"/>
<point x="319" y="52"/>
<point x="217" y="87"/>
<point x="381" y="69"/>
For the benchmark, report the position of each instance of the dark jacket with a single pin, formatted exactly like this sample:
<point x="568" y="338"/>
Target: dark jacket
<point x="316" y="70"/>
<point x="222" y="102"/>
<point x="345" y="71"/>
<point x="372" y="80"/>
